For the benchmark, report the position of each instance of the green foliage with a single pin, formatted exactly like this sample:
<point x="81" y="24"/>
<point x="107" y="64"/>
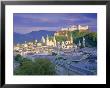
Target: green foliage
<point x="34" y="42"/>
<point x="50" y="37"/>
<point x="91" y="38"/>
<point x="44" y="67"/>
<point x="37" y="67"/>
<point x="54" y="54"/>
<point x="25" y="59"/>
<point x="18" y="58"/>
<point x="59" y="58"/>
<point x="60" y="38"/>
<point x="78" y="35"/>
<point x="24" y="69"/>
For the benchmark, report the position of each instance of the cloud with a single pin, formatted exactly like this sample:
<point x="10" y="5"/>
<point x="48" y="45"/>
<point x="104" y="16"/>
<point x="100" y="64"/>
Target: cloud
<point x="35" y="17"/>
<point x="38" y="19"/>
<point x="27" y="22"/>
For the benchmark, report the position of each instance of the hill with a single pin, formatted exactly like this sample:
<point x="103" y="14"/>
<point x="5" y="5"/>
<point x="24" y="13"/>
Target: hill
<point x="21" y="38"/>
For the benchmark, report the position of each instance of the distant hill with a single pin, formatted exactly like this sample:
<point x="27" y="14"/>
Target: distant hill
<point x="21" y="38"/>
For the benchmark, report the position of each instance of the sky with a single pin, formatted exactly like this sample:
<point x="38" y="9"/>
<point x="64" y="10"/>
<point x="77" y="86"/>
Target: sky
<point x="27" y="22"/>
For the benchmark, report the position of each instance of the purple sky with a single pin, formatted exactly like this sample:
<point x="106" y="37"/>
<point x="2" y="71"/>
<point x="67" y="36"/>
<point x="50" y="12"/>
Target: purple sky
<point x="28" y="22"/>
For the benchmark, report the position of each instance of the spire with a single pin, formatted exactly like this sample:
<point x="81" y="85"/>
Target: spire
<point x="43" y="39"/>
<point x="71" y="38"/>
<point x="54" y="39"/>
<point x="47" y="40"/>
<point x="79" y="43"/>
<point x="66" y="34"/>
<point x="83" y="41"/>
<point x="47" y="36"/>
<point x="36" y="40"/>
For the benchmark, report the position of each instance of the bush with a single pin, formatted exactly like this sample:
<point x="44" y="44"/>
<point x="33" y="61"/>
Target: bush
<point x="54" y="54"/>
<point x="38" y="67"/>
<point x="91" y="39"/>
<point x="24" y="69"/>
<point x="18" y="58"/>
<point x="61" y="38"/>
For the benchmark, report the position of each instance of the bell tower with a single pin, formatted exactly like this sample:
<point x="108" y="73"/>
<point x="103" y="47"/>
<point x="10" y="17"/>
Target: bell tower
<point x="54" y="39"/>
<point x="47" y="40"/>
<point x="71" y="39"/>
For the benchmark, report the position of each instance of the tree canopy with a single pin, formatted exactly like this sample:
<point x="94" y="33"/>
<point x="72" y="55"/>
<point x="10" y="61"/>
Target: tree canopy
<point x="37" y="67"/>
<point x="91" y="37"/>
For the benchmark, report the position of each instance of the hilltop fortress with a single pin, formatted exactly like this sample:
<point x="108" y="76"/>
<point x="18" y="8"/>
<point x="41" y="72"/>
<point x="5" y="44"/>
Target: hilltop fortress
<point x="76" y="27"/>
<point x="64" y="31"/>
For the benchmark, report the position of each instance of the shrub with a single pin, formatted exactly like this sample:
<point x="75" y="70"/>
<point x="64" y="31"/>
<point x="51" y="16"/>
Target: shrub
<point x="37" y="67"/>
<point x="18" y="58"/>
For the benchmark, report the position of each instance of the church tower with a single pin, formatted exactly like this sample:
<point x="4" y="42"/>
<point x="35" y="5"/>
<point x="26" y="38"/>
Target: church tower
<point x="66" y="34"/>
<point x="47" y="40"/>
<point x="83" y="42"/>
<point x="71" y="39"/>
<point x="54" y="39"/>
<point x="43" y="39"/>
<point x="79" y="43"/>
<point x="36" y="40"/>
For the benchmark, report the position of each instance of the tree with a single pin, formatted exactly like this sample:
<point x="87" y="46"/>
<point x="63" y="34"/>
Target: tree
<point x="44" y="67"/>
<point x="18" y="58"/>
<point x="24" y="69"/>
<point x="91" y="38"/>
<point x="61" y="38"/>
<point x="36" y="67"/>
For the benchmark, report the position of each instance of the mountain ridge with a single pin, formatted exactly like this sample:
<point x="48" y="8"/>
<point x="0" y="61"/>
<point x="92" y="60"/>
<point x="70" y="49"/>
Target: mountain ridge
<point x="34" y="35"/>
